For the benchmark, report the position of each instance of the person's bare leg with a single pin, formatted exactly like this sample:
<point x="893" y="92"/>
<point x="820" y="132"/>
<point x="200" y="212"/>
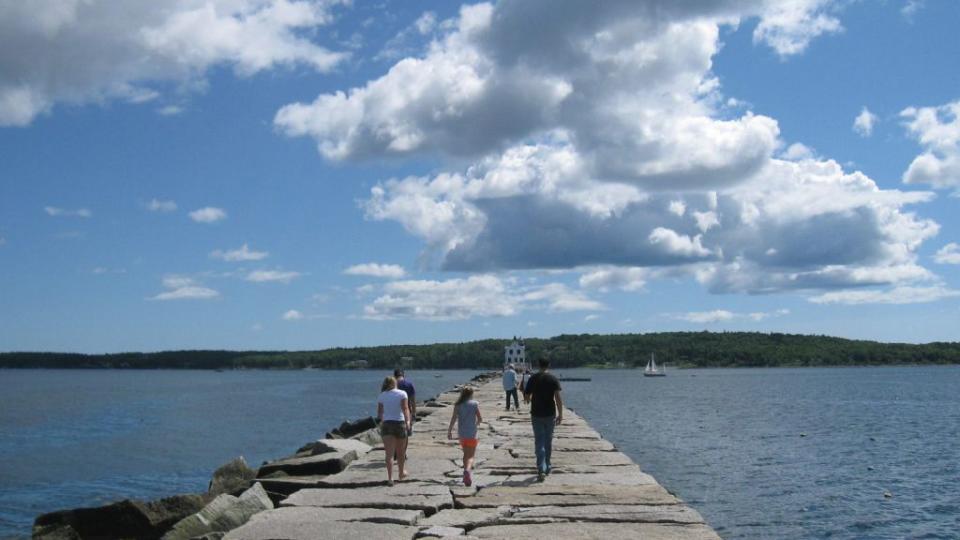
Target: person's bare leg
<point x="389" y="446"/>
<point x="468" y="454"/>
<point x="402" y="457"/>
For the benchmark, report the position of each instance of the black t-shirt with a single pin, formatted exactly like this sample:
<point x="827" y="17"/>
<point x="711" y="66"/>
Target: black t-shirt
<point x="542" y="386"/>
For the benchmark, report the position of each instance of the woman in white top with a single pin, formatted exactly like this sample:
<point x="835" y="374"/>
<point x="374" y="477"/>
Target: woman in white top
<point x="394" y="415"/>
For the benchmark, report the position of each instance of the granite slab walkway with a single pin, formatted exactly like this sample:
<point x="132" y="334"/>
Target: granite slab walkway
<point x="594" y="491"/>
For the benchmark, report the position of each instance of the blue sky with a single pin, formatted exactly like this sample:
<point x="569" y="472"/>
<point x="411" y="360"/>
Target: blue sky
<point x="287" y="174"/>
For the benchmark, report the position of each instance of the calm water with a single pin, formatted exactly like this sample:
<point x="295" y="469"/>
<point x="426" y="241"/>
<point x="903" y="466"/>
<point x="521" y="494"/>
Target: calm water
<point x="771" y="453"/>
<point x="793" y="453"/>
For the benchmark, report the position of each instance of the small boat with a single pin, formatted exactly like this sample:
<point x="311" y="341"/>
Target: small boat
<point x="652" y="370"/>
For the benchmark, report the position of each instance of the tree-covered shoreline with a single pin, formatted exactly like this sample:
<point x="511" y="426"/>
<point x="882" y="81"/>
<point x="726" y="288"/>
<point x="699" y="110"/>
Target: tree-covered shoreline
<point x="679" y="349"/>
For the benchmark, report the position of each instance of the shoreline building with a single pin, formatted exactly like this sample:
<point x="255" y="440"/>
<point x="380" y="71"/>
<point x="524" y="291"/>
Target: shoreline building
<point x="516" y="353"/>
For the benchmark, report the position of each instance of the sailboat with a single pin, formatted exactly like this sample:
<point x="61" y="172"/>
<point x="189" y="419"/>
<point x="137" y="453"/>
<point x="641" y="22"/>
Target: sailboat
<point x="652" y="371"/>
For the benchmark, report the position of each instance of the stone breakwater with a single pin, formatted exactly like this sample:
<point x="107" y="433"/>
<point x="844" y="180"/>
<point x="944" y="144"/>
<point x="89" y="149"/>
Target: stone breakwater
<point x="336" y="488"/>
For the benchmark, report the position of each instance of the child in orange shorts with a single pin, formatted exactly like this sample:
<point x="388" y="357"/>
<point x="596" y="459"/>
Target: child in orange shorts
<point x="466" y="414"/>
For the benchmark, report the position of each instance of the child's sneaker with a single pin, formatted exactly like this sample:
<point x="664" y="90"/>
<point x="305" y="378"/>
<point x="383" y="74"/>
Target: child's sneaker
<point x="467" y="478"/>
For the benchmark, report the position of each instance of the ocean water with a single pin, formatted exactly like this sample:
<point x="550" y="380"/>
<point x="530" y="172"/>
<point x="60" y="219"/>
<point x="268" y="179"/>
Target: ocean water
<point x="793" y="453"/>
<point x="761" y="453"/>
<point x="72" y="438"/>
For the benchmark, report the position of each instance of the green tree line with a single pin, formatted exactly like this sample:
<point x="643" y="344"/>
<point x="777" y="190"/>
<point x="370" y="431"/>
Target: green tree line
<point x="680" y="349"/>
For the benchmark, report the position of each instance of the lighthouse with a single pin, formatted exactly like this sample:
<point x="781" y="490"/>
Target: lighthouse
<point x="516" y="353"/>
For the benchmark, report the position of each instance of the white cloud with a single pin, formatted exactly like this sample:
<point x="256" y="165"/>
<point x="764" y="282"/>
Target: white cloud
<point x="92" y="51"/>
<point x="722" y="315"/>
<point x="170" y="110"/>
<point x="390" y="271"/>
<point x="184" y="288"/>
<point x="262" y="276"/>
<point x="61" y="212"/>
<point x="626" y="279"/>
<point x="244" y="253"/>
<point x="864" y="122"/>
<point x="365" y="289"/>
<point x="700" y="317"/>
<point x="292" y="315"/>
<point x="896" y="295"/>
<point x="426" y="22"/>
<point x="791" y="25"/>
<point x="677" y="207"/>
<point x="208" y="214"/>
<point x="948" y="254"/>
<point x="798" y="152"/>
<point x="157" y="205"/>
<point x="591" y="317"/>
<point x="911" y="7"/>
<point x="602" y="141"/>
<point x="937" y="129"/>
<point x="678" y="244"/>
<point x="476" y="296"/>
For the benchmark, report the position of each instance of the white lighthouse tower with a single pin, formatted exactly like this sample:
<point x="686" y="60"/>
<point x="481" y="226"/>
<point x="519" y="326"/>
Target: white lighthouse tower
<point x="516" y="353"/>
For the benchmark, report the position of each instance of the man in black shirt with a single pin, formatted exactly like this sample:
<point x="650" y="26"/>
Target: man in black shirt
<point x="546" y="411"/>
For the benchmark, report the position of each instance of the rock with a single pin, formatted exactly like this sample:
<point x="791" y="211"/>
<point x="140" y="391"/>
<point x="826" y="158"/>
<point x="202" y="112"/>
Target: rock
<point x="124" y="519"/>
<point x="309" y="524"/>
<point x="370" y="437"/>
<point x="544" y="495"/>
<point x="328" y="463"/>
<point x="464" y="518"/>
<point x="438" y="531"/>
<point x="349" y="429"/>
<point x="211" y="536"/>
<point x="637" y="513"/>
<point x="430" y="498"/>
<point x="606" y="531"/>
<point x="325" y="446"/>
<point x="223" y="514"/>
<point x="57" y="532"/>
<point x="232" y="477"/>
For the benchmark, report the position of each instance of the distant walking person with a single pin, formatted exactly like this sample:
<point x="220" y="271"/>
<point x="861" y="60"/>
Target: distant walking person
<point x="546" y="411"/>
<point x="403" y="383"/>
<point x="510" y="386"/>
<point x="394" y="415"/>
<point x="524" y="377"/>
<point x="466" y="414"/>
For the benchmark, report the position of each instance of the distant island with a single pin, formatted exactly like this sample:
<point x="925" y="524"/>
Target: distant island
<point x="677" y="349"/>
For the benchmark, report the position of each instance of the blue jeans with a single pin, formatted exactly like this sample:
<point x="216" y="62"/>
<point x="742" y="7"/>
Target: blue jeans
<point x="543" y="440"/>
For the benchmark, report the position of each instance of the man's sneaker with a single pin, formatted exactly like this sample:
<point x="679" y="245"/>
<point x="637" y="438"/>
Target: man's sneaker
<point x="467" y="478"/>
<point x="540" y="476"/>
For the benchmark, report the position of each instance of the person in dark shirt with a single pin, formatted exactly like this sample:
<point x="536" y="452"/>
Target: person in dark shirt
<point x="403" y="383"/>
<point x="546" y="411"/>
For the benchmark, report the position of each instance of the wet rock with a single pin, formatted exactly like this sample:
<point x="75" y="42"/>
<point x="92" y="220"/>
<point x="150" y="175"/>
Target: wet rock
<point x="124" y="519"/>
<point x="223" y="514"/>
<point x="232" y="477"/>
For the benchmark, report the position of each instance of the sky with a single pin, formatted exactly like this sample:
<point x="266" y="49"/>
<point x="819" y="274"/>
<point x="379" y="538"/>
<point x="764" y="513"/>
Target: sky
<point x="296" y="174"/>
